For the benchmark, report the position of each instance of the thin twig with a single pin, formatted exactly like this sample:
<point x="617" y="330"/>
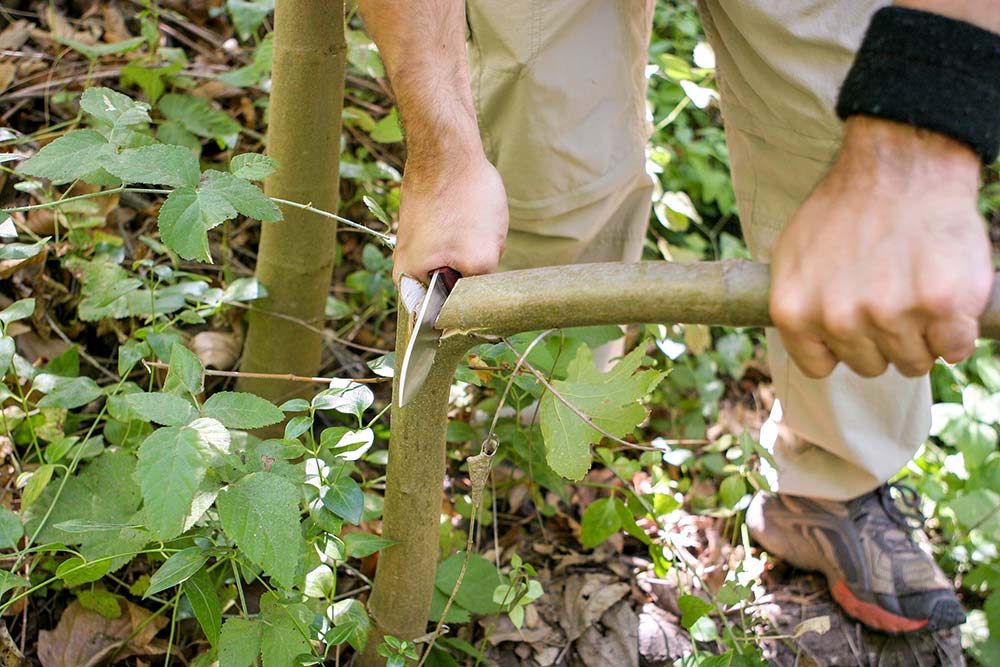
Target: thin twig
<point x="268" y="376"/>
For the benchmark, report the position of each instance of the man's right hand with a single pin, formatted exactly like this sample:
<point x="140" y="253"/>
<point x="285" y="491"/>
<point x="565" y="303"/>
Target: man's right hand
<point x="453" y="213"/>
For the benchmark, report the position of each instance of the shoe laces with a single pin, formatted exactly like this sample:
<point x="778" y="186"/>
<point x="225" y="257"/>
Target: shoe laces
<point x="904" y="511"/>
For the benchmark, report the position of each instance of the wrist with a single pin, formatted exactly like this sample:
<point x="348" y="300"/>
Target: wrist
<point x="889" y="149"/>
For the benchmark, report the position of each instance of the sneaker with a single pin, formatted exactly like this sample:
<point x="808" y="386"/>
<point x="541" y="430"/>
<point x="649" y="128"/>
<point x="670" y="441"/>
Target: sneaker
<point x="876" y="572"/>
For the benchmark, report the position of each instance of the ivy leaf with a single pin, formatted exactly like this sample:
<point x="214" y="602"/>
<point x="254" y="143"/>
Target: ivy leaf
<point x="345" y="499"/>
<point x="360" y="545"/>
<point x="281" y="640"/>
<point x="165" y="409"/>
<point x="600" y="521"/>
<point x="185" y="218"/>
<point x="185" y="374"/>
<point x="261" y="513"/>
<point x="252" y="166"/>
<point x="159" y="164"/>
<point x="610" y="399"/>
<point x="352" y="623"/>
<point x="242" y="195"/>
<point x="176" y="570"/>
<point x="239" y="642"/>
<point x="71" y="156"/>
<point x="172" y="465"/>
<point x="205" y="602"/>
<point x="241" y="410"/>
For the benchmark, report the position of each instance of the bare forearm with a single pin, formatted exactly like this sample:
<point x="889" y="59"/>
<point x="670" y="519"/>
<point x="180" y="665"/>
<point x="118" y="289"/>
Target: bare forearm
<point x="984" y="13"/>
<point x="422" y="43"/>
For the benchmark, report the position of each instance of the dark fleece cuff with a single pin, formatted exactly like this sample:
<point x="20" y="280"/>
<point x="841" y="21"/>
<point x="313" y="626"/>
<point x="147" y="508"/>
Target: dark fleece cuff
<point x="930" y="71"/>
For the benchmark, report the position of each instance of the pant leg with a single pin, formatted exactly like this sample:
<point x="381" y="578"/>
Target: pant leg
<point x="780" y="66"/>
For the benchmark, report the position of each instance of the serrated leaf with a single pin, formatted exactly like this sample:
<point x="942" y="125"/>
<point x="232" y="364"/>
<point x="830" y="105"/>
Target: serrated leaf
<point x="113" y="108"/>
<point x="172" y="465"/>
<point x="104" y="603"/>
<point x="345" y="499"/>
<point x="281" y="638"/>
<point x="71" y="156"/>
<point x="610" y="400"/>
<point x="239" y="642"/>
<point x="352" y="619"/>
<point x="600" y="521"/>
<point x="241" y="410"/>
<point x="177" y="569"/>
<point x="360" y="545"/>
<point x="376" y="209"/>
<point x="195" y="115"/>
<point x="185" y="218"/>
<point x="242" y="195"/>
<point x="159" y="164"/>
<point x="67" y="393"/>
<point x="252" y="166"/>
<point x="206" y="605"/>
<point x="261" y="513"/>
<point x="480" y="580"/>
<point x="165" y="409"/>
<point x="185" y="374"/>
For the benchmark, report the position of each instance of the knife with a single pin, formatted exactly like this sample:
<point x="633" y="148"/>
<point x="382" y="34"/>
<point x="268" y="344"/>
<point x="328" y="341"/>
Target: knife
<point x="423" y="343"/>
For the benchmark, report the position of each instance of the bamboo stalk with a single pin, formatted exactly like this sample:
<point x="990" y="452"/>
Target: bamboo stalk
<point x="296" y="256"/>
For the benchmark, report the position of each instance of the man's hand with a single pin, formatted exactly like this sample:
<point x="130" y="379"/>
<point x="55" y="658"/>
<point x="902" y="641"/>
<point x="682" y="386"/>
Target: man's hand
<point x="453" y="213"/>
<point x="888" y="260"/>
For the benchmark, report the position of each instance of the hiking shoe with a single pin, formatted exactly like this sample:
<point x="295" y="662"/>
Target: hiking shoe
<point x="876" y="572"/>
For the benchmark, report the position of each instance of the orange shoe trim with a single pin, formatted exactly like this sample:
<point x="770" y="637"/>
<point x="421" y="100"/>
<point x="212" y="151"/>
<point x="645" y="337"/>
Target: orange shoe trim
<point x="871" y="614"/>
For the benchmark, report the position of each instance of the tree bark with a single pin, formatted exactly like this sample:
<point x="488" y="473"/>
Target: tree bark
<point x="295" y="258"/>
<point x="732" y="293"/>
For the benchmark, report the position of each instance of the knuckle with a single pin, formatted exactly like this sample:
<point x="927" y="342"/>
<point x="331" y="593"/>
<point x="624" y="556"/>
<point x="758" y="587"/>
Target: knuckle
<point x="841" y="321"/>
<point x="788" y="312"/>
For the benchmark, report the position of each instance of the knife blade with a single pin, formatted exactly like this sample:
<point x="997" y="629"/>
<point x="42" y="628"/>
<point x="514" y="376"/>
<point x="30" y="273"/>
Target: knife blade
<point x="422" y="346"/>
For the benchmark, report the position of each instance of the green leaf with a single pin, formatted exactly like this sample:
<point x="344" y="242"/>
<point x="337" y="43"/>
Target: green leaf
<point x="185" y="374"/>
<point x="692" y="608"/>
<point x="68" y="393"/>
<point x="104" y="603"/>
<point x="376" y="210"/>
<point x="345" y="396"/>
<point x="22" y="250"/>
<point x="71" y="156"/>
<point x="113" y="108"/>
<point x="177" y="569"/>
<point x="241" y="194"/>
<point x="165" y="409"/>
<point x="75" y="571"/>
<point x="480" y="580"/>
<point x="9" y="581"/>
<point x="350" y="617"/>
<point x="36" y="484"/>
<point x="239" y="642"/>
<point x="456" y="612"/>
<point x="345" y="499"/>
<point x="261" y="513"/>
<point x="18" y="310"/>
<point x="198" y="117"/>
<point x="610" y="399"/>
<point x="205" y="602"/>
<point x="7" y="350"/>
<point x="600" y="521"/>
<point x="172" y="465"/>
<point x="360" y="545"/>
<point x="241" y="410"/>
<point x="185" y="218"/>
<point x="976" y="441"/>
<point x="248" y="15"/>
<point x="159" y="164"/>
<point x="281" y="639"/>
<point x="388" y="130"/>
<point x="11" y="529"/>
<point x="252" y="166"/>
<point x="732" y="490"/>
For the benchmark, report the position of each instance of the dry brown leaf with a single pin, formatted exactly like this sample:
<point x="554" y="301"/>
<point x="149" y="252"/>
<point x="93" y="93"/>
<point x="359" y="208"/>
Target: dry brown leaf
<point x="10" y="655"/>
<point x="114" y="24"/>
<point x="216" y="349"/>
<point x="9" y="267"/>
<point x="15" y="35"/>
<point x="33" y="347"/>
<point x="661" y="638"/>
<point x="617" y="645"/>
<point x="84" y="638"/>
<point x="7" y="71"/>
<point x="585" y="599"/>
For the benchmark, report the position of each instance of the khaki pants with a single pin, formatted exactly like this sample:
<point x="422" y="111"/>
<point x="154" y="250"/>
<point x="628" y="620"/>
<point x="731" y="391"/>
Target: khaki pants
<point x="560" y="90"/>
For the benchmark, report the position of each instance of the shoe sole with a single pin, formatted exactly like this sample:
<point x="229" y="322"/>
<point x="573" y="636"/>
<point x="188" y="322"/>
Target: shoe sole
<point x="871" y="614"/>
